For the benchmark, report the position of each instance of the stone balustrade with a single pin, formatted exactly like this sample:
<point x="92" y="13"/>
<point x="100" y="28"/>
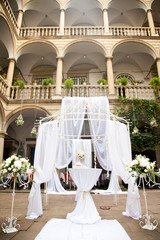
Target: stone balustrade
<point x="85" y="31"/>
<point x="157" y="31"/>
<point x="130" y="31"/>
<point x="10" y="13"/>
<point x="135" y="91"/>
<point x="38" y="92"/>
<point x="3" y="86"/>
<point x="38" y="32"/>
<point x="31" y="92"/>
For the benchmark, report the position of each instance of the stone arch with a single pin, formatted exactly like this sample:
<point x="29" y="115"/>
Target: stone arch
<point x="86" y="40"/>
<point x="135" y="41"/>
<point x="18" y="110"/>
<point x="37" y="41"/>
<point x="11" y="47"/>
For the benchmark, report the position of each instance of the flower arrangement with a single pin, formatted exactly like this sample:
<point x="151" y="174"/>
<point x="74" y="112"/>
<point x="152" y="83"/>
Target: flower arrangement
<point x="141" y="166"/>
<point x="81" y="155"/>
<point x="19" y="121"/>
<point x="15" y="165"/>
<point x="34" y="132"/>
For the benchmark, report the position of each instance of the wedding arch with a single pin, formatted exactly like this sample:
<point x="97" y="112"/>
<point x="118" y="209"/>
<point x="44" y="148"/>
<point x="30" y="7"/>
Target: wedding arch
<point x="58" y="140"/>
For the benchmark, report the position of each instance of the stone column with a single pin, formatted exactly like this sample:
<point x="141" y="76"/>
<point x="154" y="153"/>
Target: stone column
<point x="151" y="22"/>
<point x="10" y="73"/>
<point x="2" y="136"/>
<point x="20" y="17"/>
<point x="62" y="22"/>
<point x="105" y="21"/>
<point x="59" y="75"/>
<point x="158" y="66"/>
<point x="110" y="76"/>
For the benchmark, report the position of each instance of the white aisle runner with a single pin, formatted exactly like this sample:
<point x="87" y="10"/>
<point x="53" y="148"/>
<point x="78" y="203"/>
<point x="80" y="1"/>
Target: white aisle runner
<point x="63" y="229"/>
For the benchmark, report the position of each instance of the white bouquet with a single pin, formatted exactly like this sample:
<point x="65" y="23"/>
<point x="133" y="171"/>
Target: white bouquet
<point x="81" y="155"/>
<point x="16" y="165"/>
<point x="141" y="165"/>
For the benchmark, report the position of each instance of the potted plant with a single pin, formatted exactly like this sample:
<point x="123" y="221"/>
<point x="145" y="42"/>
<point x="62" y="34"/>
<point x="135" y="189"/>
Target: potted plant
<point x="122" y="81"/>
<point x="19" y="83"/>
<point x="155" y="82"/>
<point x="68" y="83"/>
<point x="102" y="82"/>
<point x="47" y="81"/>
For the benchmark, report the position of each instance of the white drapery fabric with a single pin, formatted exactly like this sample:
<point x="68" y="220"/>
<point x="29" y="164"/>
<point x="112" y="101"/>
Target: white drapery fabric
<point x="54" y="184"/>
<point x="84" y="145"/>
<point x="85" y="211"/>
<point x="70" y="127"/>
<point x="120" y="156"/>
<point x="53" y="147"/>
<point x="44" y="163"/>
<point x="98" y="113"/>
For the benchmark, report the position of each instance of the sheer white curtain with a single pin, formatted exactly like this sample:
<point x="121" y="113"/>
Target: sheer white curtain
<point x="98" y="113"/>
<point x="44" y="162"/>
<point x="120" y="156"/>
<point x="71" y="123"/>
<point x="84" y="145"/>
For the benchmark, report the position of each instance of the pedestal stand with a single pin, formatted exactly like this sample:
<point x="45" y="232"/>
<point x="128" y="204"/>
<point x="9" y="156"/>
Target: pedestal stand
<point x="11" y="220"/>
<point x="147" y="224"/>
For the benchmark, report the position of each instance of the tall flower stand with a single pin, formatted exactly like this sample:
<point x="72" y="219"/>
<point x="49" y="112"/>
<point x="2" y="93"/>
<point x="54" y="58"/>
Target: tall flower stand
<point x="11" y="220"/>
<point x="147" y="224"/>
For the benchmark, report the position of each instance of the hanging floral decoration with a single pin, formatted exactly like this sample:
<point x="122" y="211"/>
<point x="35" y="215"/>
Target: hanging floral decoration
<point x="135" y="131"/>
<point x="153" y="122"/>
<point x="19" y="121"/>
<point x="34" y="132"/>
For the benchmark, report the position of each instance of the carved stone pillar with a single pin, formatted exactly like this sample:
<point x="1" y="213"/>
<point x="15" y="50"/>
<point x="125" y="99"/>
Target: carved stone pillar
<point x="59" y="75"/>
<point x="110" y="76"/>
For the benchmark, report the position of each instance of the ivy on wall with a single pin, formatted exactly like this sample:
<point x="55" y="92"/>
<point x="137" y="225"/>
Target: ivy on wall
<point x="144" y="117"/>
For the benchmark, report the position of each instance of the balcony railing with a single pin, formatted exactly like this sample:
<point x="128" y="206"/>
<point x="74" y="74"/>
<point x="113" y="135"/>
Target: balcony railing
<point x="130" y="31"/>
<point x="141" y="91"/>
<point x="3" y="86"/>
<point x="85" y="31"/>
<point x="10" y="13"/>
<point x="30" y="92"/>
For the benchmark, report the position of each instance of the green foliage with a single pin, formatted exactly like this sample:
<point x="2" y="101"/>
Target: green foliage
<point x="140" y="114"/>
<point x="47" y="81"/>
<point x="19" y="83"/>
<point x="123" y="81"/>
<point x="155" y="82"/>
<point x="103" y="81"/>
<point x="68" y="83"/>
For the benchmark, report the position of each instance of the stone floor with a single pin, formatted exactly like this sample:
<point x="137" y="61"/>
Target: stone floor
<point x="59" y="205"/>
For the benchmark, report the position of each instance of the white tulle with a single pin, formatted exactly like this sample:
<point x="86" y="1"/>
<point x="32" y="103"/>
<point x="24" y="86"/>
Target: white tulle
<point x="54" y="146"/>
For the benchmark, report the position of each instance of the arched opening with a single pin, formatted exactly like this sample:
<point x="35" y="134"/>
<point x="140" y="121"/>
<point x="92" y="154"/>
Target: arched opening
<point x="84" y="62"/>
<point x="135" y="59"/>
<point x="33" y="58"/>
<point x="39" y="13"/>
<point x="19" y="139"/>
<point x="126" y="13"/>
<point x="84" y="13"/>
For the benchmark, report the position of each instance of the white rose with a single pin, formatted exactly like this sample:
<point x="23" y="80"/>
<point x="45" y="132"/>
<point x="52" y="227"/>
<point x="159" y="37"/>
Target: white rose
<point x="18" y="164"/>
<point x="143" y="163"/>
<point x="14" y="170"/>
<point x="4" y="171"/>
<point x="8" y="161"/>
<point x="9" y="169"/>
<point x="134" y="162"/>
<point x="24" y="160"/>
